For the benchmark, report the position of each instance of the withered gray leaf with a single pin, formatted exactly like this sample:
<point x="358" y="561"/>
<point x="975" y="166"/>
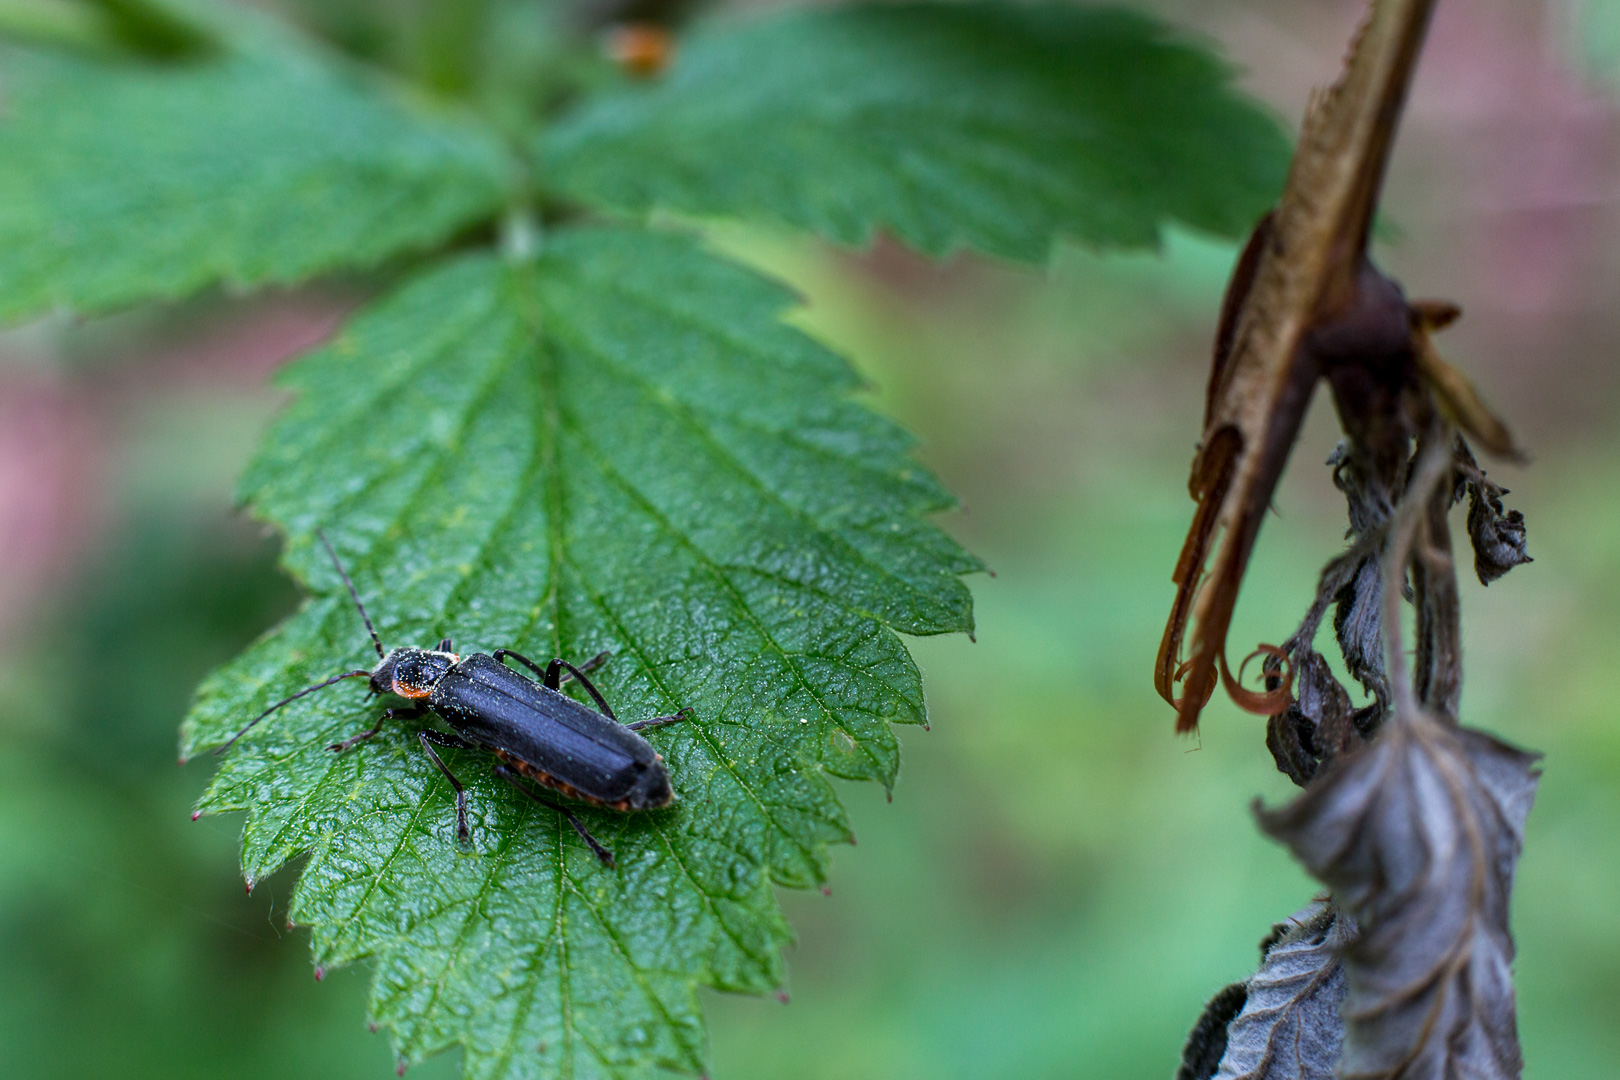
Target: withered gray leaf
<point x="1418" y="835"/>
<point x="1290" y="1028"/>
<point x="1499" y="537"/>
<point x="1366" y="498"/>
<point x="1358" y="623"/>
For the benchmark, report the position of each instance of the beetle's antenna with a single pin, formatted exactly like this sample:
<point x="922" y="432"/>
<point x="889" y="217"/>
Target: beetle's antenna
<point x="284" y="701"/>
<point x="344" y="574"/>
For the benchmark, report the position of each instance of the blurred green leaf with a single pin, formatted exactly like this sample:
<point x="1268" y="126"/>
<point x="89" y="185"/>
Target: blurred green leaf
<point x="983" y="125"/>
<point x="1598" y="32"/>
<point x="153" y="28"/>
<point x="617" y="446"/>
<point x="123" y="181"/>
<point x="112" y="904"/>
<point x="54" y="21"/>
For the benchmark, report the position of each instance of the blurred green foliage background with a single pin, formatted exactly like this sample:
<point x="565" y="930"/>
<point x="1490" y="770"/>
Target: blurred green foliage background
<point x="1059" y="882"/>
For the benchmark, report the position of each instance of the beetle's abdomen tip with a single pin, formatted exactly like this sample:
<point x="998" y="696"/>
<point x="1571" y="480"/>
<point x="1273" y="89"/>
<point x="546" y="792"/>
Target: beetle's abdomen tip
<point x="652" y="790"/>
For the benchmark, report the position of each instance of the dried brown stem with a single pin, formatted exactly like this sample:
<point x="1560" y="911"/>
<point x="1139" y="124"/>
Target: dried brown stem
<point x="1432" y="469"/>
<point x="1437" y="668"/>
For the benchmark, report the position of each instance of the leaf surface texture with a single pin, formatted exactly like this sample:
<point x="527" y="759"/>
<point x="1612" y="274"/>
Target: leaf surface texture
<point x="1289" y="1028"/>
<point x="123" y="180"/>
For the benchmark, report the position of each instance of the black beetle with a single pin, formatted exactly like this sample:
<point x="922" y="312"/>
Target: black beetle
<point x="535" y="730"/>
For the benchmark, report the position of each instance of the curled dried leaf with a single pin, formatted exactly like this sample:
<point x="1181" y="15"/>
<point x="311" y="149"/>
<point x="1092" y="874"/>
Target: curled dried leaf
<point x="1418" y="836"/>
<point x="1289" y="1028"/>
<point x="1291" y="738"/>
<point x="1316" y="727"/>
<point x="1498" y="535"/>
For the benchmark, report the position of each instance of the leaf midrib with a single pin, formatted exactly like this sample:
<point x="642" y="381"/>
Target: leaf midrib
<point x="681" y="413"/>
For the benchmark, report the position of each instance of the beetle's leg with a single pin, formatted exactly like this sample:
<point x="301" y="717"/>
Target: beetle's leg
<point x="500" y="656"/>
<point x="445" y="646"/>
<point x="584" y="834"/>
<point x="550" y="677"/>
<point x="660" y="721"/>
<point x="388" y="714"/>
<point x="339" y="747"/>
<point x="426" y="737"/>
<point x="590" y="687"/>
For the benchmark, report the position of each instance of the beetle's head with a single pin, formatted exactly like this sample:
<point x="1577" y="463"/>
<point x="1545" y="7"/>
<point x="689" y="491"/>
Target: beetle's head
<point x="651" y="789"/>
<point x="411" y="673"/>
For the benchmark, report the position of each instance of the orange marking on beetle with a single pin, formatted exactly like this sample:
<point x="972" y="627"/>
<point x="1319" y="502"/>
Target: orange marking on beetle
<point x="540" y="776"/>
<point x="406" y="691"/>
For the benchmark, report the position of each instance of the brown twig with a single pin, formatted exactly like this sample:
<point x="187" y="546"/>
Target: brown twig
<point x="1301" y="287"/>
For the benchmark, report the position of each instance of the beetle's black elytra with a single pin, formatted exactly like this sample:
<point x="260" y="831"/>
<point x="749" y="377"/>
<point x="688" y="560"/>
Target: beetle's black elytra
<point x="535" y="731"/>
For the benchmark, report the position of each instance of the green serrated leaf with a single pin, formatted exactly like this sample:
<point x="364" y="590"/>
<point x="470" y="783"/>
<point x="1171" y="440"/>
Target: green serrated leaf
<point x="985" y="125"/>
<point x="617" y="446"/>
<point x="123" y="181"/>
